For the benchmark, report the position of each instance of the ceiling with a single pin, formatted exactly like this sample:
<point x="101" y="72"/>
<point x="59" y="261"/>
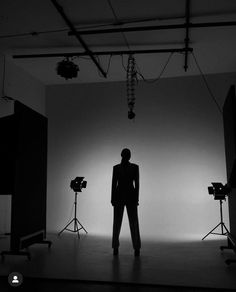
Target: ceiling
<point x="36" y="27"/>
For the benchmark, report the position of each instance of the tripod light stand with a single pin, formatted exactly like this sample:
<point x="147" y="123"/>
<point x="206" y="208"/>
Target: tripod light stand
<point x="221" y="224"/>
<point x="219" y="191"/>
<point x="77" y="184"/>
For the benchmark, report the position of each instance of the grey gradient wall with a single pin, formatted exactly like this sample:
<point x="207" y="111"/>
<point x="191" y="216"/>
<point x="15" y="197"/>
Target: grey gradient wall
<point x="176" y="138"/>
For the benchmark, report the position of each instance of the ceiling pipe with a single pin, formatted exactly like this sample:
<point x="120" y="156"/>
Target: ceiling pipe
<point x="77" y="35"/>
<point x="154" y="27"/>
<point x="104" y="53"/>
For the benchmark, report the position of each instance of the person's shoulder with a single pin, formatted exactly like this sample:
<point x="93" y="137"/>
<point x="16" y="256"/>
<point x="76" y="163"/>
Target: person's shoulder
<point x="134" y="165"/>
<point x="116" y="166"/>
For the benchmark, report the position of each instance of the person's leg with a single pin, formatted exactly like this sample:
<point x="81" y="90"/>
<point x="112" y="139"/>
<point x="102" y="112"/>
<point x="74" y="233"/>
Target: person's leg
<point x="117" y="221"/>
<point x="132" y="211"/>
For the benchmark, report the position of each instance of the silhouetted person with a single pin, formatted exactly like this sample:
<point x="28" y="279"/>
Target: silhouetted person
<point x="125" y="192"/>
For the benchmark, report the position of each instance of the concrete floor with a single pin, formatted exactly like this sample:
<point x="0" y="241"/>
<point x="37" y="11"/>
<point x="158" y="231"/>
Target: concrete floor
<point x="168" y="265"/>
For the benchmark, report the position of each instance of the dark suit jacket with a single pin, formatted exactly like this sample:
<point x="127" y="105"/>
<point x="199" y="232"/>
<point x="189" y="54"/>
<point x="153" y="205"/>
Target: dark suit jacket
<point x="125" y="184"/>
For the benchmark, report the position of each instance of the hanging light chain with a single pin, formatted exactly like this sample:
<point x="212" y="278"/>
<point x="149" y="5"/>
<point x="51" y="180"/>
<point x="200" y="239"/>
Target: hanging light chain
<point x="131" y="81"/>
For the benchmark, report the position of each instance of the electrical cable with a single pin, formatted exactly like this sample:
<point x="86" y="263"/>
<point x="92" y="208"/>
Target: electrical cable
<point x="109" y="64"/>
<point x="206" y="83"/>
<point x="159" y="76"/>
<point x="118" y="22"/>
<point x="122" y="62"/>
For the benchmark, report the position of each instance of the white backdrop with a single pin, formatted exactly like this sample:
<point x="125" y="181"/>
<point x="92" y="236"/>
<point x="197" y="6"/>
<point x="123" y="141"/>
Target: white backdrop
<point x="176" y="138"/>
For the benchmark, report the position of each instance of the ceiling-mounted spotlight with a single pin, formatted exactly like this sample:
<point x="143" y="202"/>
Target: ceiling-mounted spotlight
<point x="67" y="69"/>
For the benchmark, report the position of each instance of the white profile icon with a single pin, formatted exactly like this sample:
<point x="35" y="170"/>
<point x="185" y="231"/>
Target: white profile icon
<point x="15" y="280"/>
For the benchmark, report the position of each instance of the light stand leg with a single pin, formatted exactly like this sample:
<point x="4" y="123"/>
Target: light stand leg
<point x="82" y="227"/>
<point x="210" y="232"/>
<point x="221" y="224"/>
<point x="74" y="220"/>
<point x="65" y="228"/>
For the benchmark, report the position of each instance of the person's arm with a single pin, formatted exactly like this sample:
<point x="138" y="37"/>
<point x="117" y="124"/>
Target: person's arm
<point x="136" y="184"/>
<point x="113" y="186"/>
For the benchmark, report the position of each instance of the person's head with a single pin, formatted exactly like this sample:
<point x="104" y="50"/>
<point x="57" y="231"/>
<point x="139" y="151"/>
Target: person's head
<point x="125" y="154"/>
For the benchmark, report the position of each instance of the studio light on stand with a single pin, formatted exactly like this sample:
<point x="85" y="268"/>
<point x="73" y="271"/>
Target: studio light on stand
<point x="219" y="191"/>
<point x="76" y="185"/>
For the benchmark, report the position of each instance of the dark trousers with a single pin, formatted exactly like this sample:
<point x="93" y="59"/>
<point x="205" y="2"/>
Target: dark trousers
<point x="132" y="211"/>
